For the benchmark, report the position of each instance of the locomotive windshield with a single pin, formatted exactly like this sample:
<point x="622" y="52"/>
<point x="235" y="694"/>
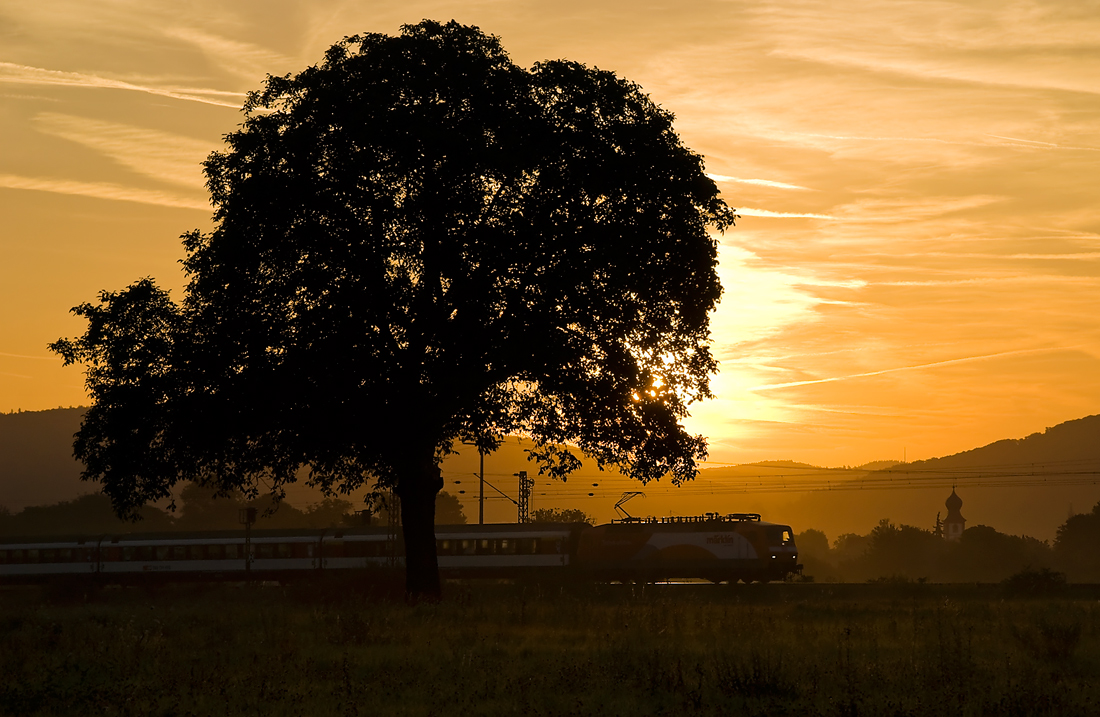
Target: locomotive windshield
<point x="780" y="535"/>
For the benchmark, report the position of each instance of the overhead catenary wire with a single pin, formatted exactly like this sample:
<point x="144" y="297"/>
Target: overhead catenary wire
<point x="1069" y="472"/>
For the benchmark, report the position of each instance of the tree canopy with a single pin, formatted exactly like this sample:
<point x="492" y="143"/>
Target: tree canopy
<point x="418" y="241"/>
<point x="561" y="515"/>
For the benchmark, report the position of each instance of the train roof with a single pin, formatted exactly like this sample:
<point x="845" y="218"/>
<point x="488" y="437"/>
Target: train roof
<point x="268" y="534"/>
<point x="707" y="521"/>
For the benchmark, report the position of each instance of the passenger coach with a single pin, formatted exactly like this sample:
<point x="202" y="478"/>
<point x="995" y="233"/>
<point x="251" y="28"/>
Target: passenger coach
<point x="720" y="548"/>
<point x="464" y="551"/>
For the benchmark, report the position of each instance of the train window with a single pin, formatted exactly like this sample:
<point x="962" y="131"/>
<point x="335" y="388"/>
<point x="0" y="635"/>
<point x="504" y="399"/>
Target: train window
<point x="444" y="547"/>
<point x="215" y="552"/>
<point x="179" y="552"/>
<point x="507" y="547"/>
<point x="485" y="546"/>
<point x="233" y="551"/>
<point x="3" y="557"/>
<point x="777" y="534"/>
<point x="265" y="550"/>
<point x="549" y="546"/>
<point x="162" y="552"/>
<point x="128" y="552"/>
<point x="48" y="555"/>
<point x="32" y="555"/>
<point x="282" y="550"/>
<point x="469" y="547"/>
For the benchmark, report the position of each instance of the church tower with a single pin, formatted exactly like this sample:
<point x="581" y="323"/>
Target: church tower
<point x="954" y="523"/>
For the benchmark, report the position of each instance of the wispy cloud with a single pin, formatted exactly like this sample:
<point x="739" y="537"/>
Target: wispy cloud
<point x="1068" y="256"/>
<point x="1007" y="141"/>
<point x="977" y="280"/>
<point x="13" y="73"/>
<point x="24" y="356"/>
<point x="1055" y="72"/>
<point x="162" y="155"/>
<point x="241" y="58"/>
<point x="1044" y="145"/>
<point x="101" y="190"/>
<point x="750" y="212"/>
<point x="933" y="364"/>
<point x="760" y="182"/>
<point x="906" y="209"/>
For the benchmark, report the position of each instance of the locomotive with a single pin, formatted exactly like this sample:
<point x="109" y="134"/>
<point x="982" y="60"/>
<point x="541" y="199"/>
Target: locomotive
<point x="719" y="548"/>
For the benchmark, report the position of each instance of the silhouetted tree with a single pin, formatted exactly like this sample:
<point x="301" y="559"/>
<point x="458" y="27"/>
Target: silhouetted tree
<point x="448" y="509"/>
<point x="848" y="547"/>
<point x="1077" y="546"/>
<point x="203" y="509"/>
<point x="891" y="550"/>
<point x="561" y="515"/>
<point x="814" y="554"/>
<point x="87" y="515"/>
<point x="418" y="241"/>
<point x="983" y="554"/>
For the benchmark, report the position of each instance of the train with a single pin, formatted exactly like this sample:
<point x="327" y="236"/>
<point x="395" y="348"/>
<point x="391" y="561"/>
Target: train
<point x="715" y="547"/>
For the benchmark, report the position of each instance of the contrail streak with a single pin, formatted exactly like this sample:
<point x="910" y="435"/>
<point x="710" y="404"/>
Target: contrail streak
<point x="27" y="75"/>
<point x="749" y="212"/>
<point x="1044" y="144"/>
<point x="966" y="359"/>
<point x="24" y="356"/>
<point x="101" y="190"/>
<point x="761" y="182"/>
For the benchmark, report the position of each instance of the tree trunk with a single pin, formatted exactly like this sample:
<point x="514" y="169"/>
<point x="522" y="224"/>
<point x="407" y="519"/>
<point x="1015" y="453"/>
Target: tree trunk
<point x="417" y="491"/>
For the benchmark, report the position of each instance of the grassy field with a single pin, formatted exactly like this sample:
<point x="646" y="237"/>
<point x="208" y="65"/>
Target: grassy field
<point x="511" y="649"/>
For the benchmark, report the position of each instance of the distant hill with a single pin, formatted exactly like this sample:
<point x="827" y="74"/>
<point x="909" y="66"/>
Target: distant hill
<point x="1075" y="441"/>
<point x="36" y="458"/>
<point x="878" y="465"/>
<point x="1069" y="450"/>
<point x="37" y="468"/>
<point x="776" y="464"/>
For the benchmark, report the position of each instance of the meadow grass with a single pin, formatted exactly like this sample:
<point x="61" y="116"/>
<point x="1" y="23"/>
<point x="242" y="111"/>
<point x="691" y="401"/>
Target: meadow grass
<point x="494" y="649"/>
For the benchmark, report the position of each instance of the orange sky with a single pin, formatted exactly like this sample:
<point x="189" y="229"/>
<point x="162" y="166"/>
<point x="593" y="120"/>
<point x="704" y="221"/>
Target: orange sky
<point x="918" y="267"/>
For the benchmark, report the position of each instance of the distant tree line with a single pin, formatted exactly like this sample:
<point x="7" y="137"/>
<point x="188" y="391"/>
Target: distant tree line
<point x="199" y="510"/>
<point x="982" y="554"/>
<point x="561" y="515"/>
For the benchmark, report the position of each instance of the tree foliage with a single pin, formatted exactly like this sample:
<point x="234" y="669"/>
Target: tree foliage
<point x="418" y="241"/>
<point x="1077" y="546"/>
<point x="448" y="511"/>
<point x="904" y="552"/>
<point x="561" y="515"/>
<point x="92" y="514"/>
